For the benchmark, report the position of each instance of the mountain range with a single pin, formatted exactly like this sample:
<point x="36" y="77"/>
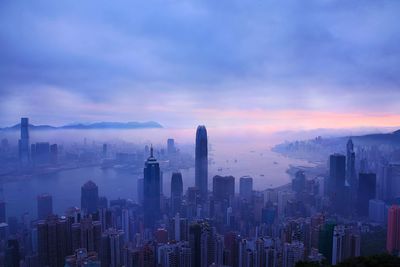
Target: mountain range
<point x="90" y="126"/>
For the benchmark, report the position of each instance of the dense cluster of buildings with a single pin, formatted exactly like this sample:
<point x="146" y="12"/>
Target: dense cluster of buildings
<point x="315" y="219"/>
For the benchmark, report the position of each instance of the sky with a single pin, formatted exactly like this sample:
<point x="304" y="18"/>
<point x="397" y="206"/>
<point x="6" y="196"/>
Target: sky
<point x="265" y="64"/>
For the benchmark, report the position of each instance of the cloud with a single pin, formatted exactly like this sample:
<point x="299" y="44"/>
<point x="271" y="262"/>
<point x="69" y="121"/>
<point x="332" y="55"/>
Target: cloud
<point x="168" y="60"/>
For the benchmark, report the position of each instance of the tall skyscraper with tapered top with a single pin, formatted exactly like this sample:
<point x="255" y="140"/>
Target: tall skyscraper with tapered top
<point x="23" y="143"/>
<point x="201" y="162"/>
<point x="151" y="186"/>
<point x="350" y="164"/>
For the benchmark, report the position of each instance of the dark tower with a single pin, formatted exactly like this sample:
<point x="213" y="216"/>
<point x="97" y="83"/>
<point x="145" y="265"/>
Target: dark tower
<point x="223" y="188"/>
<point x="151" y="186"/>
<point x="337" y="174"/>
<point x="201" y="162"/>
<point x="366" y="192"/>
<point x="44" y="206"/>
<point x="89" y="197"/>
<point x="246" y="187"/>
<point x="350" y="164"/>
<point x="23" y="143"/>
<point x="176" y="192"/>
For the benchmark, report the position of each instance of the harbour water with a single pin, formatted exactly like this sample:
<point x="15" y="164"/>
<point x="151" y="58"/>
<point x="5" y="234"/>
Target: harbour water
<point x="236" y="158"/>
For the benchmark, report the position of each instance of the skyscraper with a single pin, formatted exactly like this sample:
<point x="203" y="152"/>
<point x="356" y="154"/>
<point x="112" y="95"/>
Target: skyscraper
<point x="171" y="146"/>
<point x="376" y="211"/>
<point x="2" y="211"/>
<point x="112" y="248"/>
<point x="201" y="162"/>
<point x="299" y="182"/>
<point x="325" y="240"/>
<point x="44" y="206"/>
<point x="392" y="181"/>
<point x="54" y="154"/>
<point x="246" y="187"/>
<point x="52" y="241"/>
<point x="12" y="255"/>
<point x="23" y="142"/>
<point x="337" y="174"/>
<point x="199" y="241"/>
<point x="393" y="229"/>
<point x="104" y="153"/>
<point x="89" y="197"/>
<point x="151" y="185"/>
<point x="292" y="253"/>
<point x="176" y="192"/>
<point x="41" y="153"/>
<point x="366" y="191"/>
<point x="223" y="187"/>
<point x="350" y="164"/>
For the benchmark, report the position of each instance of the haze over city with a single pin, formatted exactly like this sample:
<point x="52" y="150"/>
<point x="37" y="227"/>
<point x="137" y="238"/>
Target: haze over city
<point x="199" y="133"/>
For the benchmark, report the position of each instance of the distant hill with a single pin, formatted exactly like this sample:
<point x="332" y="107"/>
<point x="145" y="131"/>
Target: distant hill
<point x="320" y="148"/>
<point x="378" y="139"/>
<point x="90" y="126"/>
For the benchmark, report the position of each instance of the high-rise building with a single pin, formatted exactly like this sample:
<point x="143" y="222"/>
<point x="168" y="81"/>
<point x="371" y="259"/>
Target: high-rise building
<point x="201" y="162"/>
<point x="53" y="241"/>
<point x="89" y="197"/>
<point x="246" y="187"/>
<point x="392" y="181"/>
<point x="54" y="154"/>
<point x="41" y="153"/>
<point x="299" y="182"/>
<point x="104" y="150"/>
<point x="376" y="211"/>
<point x="151" y="196"/>
<point x="171" y="146"/>
<point x="12" y="255"/>
<point x="292" y="253"/>
<point x="223" y="187"/>
<point x="345" y="244"/>
<point x="350" y="163"/>
<point x="231" y="244"/>
<point x="4" y="145"/>
<point x="3" y="216"/>
<point x="200" y="242"/>
<point x="23" y="142"/>
<point x="393" y="229"/>
<point x="176" y="192"/>
<point x="337" y="177"/>
<point x="112" y="242"/>
<point x="325" y="240"/>
<point x="44" y="206"/>
<point x="366" y="191"/>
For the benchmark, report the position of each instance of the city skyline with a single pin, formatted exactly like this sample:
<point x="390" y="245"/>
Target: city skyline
<point x="229" y="133"/>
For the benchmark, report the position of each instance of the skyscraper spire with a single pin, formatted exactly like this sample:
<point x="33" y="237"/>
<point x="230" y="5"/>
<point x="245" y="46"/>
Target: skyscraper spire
<point x="201" y="162"/>
<point x="151" y="191"/>
<point x="23" y="142"/>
